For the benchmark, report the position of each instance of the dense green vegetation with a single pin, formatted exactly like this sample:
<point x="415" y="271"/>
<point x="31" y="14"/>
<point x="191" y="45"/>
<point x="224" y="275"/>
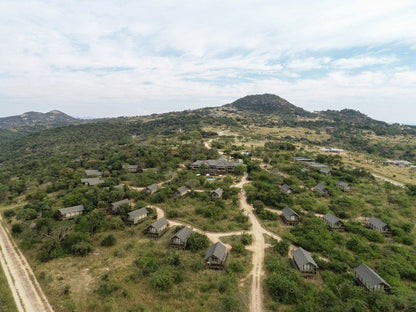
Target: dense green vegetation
<point x="6" y="299"/>
<point x="41" y="173"/>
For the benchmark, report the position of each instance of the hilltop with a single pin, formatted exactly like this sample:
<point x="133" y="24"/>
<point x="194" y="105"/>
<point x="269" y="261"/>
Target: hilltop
<point x="268" y="104"/>
<point x="31" y="118"/>
<point x="100" y="261"/>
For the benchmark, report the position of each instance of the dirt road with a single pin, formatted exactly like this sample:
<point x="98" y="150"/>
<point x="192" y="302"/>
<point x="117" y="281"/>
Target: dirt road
<point x="26" y="291"/>
<point x="388" y="180"/>
<point x="258" y="246"/>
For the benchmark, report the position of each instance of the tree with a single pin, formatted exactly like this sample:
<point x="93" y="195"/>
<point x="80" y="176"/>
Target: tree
<point x="197" y="241"/>
<point x="240" y="169"/>
<point x="108" y="241"/>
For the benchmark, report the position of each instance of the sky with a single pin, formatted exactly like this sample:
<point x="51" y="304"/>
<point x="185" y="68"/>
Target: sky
<point x="124" y="58"/>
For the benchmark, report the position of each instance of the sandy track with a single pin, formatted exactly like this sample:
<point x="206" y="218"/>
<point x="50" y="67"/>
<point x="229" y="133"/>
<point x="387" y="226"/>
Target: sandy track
<point x="258" y="246"/>
<point x="388" y="180"/>
<point x="26" y="291"/>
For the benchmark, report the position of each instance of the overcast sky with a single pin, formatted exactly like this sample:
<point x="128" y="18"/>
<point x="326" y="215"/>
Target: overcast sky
<point x="124" y="58"/>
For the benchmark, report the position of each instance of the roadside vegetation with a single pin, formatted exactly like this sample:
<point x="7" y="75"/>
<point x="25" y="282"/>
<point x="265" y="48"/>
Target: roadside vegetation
<point x="96" y="262"/>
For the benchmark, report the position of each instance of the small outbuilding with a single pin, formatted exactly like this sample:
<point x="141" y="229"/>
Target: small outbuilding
<point x="151" y="189"/>
<point x="182" y="191"/>
<point x="320" y="188"/>
<point x="377" y="224"/>
<point x="132" y="168"/>
<point x="286" y="189"/>
<point x="344" y="186"/>
<point x="71" y="212"/>
<point x="216" y="256"/>
<point x="158" y="228"/>
<point x="333" y="222"/>
<point x="92" y="181"/>
<point x="325" y="171"/>
<point x="217" y="194"/>
<point x="137" y="216"/>
<point x="289" y="216"/>
<point x="304" y="261"/>
<point x="180" y="238"/>
<point x="115" y="206"/>
<point x="93" y="172"/>
<point x="369" y="279"/>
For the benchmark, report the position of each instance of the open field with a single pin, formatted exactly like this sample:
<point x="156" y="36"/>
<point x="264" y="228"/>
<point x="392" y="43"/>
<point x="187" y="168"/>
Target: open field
<point x="6" y="299"/>
<point x="112" y="278"/>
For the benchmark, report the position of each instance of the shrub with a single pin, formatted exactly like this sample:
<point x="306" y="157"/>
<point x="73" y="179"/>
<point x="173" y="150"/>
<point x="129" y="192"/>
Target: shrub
<point x="238" y="248"/>
<point x="246" y="239"/>
<point x="162" y="279"/>
<point x="81" y="248"/>
<point x="282" y="247"/>
<point x="17" y="228"/>
<point x="236" y="267"/>
<point x="8" y="213"/>
<point x="197" y="241"/>
<point x="108" y="241"/>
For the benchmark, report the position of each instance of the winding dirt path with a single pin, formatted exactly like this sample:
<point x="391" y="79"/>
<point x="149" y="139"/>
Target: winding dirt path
<point x="26" y="290"/>
<point x="257" y="247"/>
<point x="388" y="180"/>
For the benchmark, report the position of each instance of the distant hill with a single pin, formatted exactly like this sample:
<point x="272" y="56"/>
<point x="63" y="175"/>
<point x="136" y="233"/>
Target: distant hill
<point x="268" y="104"/>
<point x="350" y="115"/>
<point x="34" y="118"/>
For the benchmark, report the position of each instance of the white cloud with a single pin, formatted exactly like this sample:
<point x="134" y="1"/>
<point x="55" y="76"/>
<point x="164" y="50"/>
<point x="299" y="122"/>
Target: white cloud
<point x="60" y="54"/>
<point x="358" y="62"/>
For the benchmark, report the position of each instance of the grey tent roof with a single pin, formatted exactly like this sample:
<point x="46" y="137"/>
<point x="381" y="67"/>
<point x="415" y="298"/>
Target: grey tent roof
<point x="159" y="223"/>
<point x="67" y="210"/>
<point x="183" y="189"/>
<point x="342" y="184"/>
<point x="217" y="162"/>
<point x="218" y="250"/>
<point x="377" y="223"/>
<point x="368" y="276"/>
<point x="219" y="191"/>
<point x="183" y="234"/>
<point x="302" y="257"/>
<point x="137" y="213"/>
<point x="325" y="170"/>
<point x="288" y="212"/>
<point x="117" y="204"/>
<point x="331" y="219"/>
<point x="92" y="181"/>
<point x="90" y="172"/>
<point x="118" y="187"/>
<point x="301" y="158"/>
<point x="153" y="187"/>
<point x="285" y="188"/>
<point x="315" y="164"/>
<point x="320" y="187"/>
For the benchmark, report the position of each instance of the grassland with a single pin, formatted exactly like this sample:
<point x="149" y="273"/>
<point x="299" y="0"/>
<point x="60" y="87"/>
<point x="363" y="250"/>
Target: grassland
<point x="114" y="279"/>
<point x="6" y="299"/>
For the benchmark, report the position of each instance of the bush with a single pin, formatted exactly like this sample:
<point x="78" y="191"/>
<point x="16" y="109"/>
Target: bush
<point x="162" y="279"/>
<point x="107" y="289"/>
<point x="238" y="248"/>
<point x="246" y="239"/>
<point x="17" y="228"/>
<point x="108" y="241"/>
<point x="282" y="247"/>
<point x="81" y="249"/>
<point x="197" y="241"/>
<point x="8" y="213"/>
<point x="236" y="267"/>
